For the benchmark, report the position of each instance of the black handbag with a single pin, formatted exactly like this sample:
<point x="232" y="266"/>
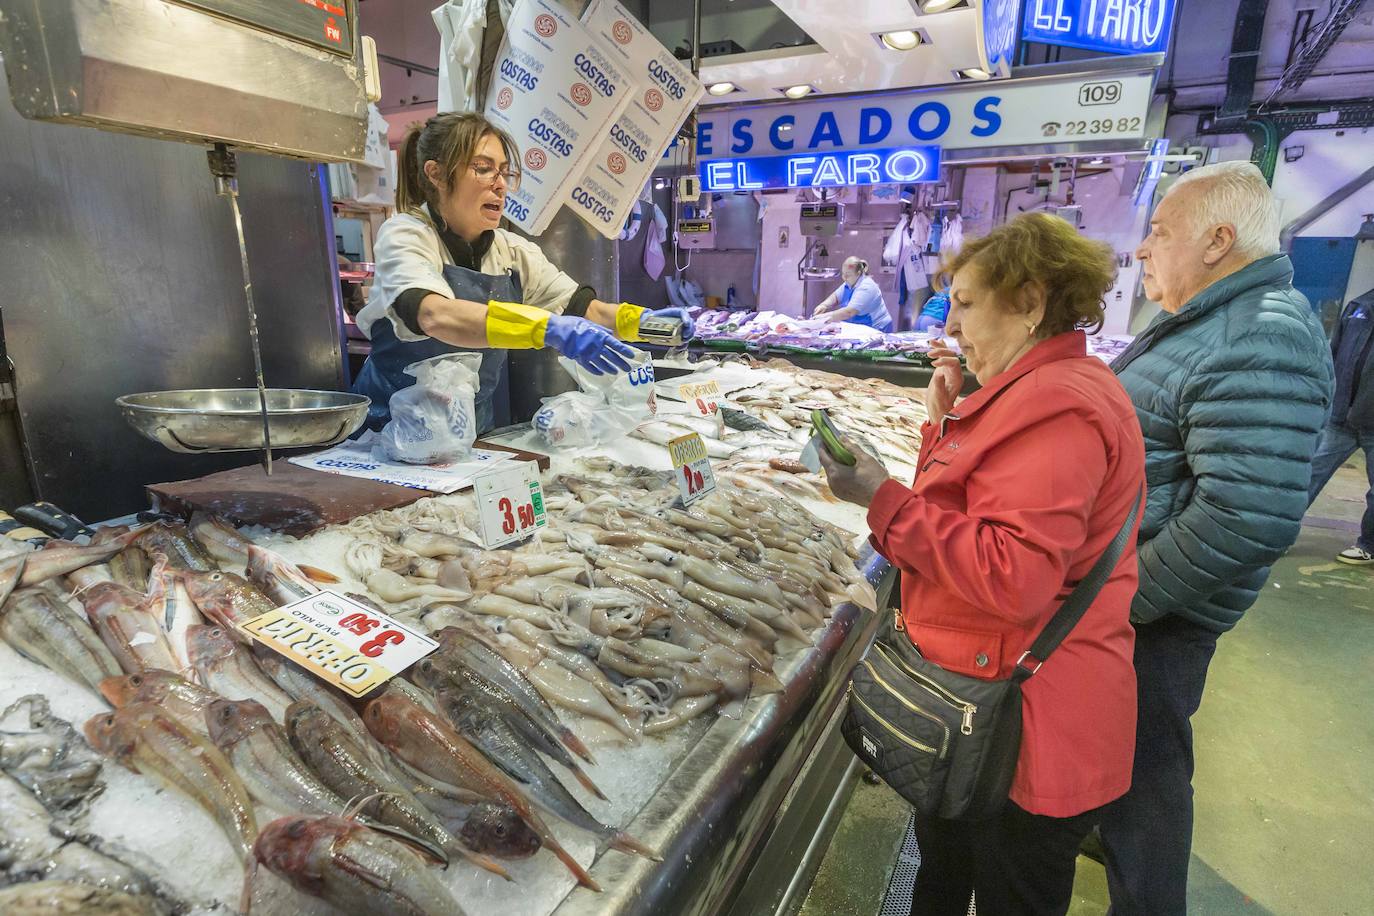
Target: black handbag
<point x="948" y="743"/>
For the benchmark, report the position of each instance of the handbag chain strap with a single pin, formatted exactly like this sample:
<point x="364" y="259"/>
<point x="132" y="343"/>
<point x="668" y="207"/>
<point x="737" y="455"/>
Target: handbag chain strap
<point x="1078" y="602"/>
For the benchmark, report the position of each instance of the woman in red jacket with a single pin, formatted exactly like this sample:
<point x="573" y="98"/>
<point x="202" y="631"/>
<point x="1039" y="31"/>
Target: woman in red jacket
<point x="1019" y="489"/>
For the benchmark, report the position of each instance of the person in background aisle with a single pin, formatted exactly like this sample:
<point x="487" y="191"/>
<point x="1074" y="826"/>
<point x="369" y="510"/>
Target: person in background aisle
<point x="858" y="300"/>
<point x="935" y="312"/>
<point x="1020" y="489"/>
<point x="1232" y="383"/>
<point x="1351" y="425"/>
<point x="449" y="279"/>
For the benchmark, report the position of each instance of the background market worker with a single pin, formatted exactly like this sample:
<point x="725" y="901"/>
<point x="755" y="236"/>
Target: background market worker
<point x="449" y="279"/>
<point x="858" y="300"/>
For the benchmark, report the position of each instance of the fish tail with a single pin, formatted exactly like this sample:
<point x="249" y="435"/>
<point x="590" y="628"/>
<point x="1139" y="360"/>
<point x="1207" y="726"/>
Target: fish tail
<point x="574" y="744"/>
<point x="483" y="861"/>
<point x="587" y="783"/>
<point x="626" y="843"/>
<point x="572" y="865"/>
<point x="250" y="874"/>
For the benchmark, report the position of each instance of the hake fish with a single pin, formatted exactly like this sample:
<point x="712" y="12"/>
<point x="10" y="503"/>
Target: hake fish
<point x="44" y="628"/>
<point x="226" y="598"/>
<point x="490" y="733"/>
<point x="358" y="870"/>
<point x="343" y="764"/>
<point x="430" y="745"/>
<point x="262" y="756"/>
<point x="228" y="668"/>
<point x="144" y="739"/>
<point x="173" y="694"/>
<point x="127" y="625"/>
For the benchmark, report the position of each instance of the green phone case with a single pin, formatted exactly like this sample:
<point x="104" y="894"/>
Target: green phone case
<point x="820" y="422"/>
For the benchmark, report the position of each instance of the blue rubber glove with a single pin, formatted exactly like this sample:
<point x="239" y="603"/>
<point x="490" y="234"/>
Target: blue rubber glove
<point x="689" y="327"/>
<point x="589" y="344"/>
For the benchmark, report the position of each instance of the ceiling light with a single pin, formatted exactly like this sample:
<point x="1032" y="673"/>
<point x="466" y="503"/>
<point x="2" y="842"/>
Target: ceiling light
<point x="939" y="6"/>
<point x="900" y="41"/>
<point x="721" y="88"/>
<point x="975" y="73"/>
<point x="798" y="92"/>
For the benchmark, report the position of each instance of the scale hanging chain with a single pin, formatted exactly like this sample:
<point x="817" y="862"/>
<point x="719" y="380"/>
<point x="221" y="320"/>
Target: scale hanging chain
<point x="224" y="168"/>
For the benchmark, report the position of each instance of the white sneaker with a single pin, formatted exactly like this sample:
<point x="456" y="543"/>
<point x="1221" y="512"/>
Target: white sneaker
<point x="1356" y="556"/>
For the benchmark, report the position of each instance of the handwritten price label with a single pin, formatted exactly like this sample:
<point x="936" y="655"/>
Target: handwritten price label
<point x="702" y="397"/>
<point x="352" y="646"/>
<point x="510" y="503"/>
<point x="693" y="470"/>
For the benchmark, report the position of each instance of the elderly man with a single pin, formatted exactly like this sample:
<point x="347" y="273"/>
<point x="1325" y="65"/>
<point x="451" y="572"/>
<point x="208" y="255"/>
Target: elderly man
<point x="1232" y="384"/>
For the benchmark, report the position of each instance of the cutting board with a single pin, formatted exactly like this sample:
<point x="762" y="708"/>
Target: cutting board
<point x="294" y="500"/>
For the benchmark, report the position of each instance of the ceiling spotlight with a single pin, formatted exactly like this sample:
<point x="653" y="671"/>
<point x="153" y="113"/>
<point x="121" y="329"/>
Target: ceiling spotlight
<point x="721" y="88"/>
<point x="975" y="73"/>
<point x="939" y="6"/>
<point x="900" y="41"/>
<point x="798" y="92"/>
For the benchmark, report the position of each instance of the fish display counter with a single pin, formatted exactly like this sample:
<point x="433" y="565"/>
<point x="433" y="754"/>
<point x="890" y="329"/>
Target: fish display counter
<point x="634" y="712"/>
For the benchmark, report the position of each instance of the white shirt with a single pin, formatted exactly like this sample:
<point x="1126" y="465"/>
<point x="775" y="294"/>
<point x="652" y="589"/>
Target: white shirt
<point x="410" y="255"/>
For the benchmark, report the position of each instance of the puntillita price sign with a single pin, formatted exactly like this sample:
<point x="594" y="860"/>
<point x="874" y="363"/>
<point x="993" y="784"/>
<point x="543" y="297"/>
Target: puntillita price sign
<point x="510" y="503"/>
<point x="693" y="470"/>
<point x="350" y="645"/>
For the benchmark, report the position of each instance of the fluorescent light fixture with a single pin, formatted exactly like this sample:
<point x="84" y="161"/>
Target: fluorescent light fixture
<point x="903" y="40"/>
<point x="940" y="6"/>
<point x="798" y="92"/>
<point x="724" y="88"/>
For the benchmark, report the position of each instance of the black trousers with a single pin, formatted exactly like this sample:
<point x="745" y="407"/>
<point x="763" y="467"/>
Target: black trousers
<point x="1147" y="834"/>
<point x="1020" y="864"/>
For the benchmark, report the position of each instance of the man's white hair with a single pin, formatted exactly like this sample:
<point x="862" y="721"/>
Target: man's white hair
<point x="1234" y="193"/>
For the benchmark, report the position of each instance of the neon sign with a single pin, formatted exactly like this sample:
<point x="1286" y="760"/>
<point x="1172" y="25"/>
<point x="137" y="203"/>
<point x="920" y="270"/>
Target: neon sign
<point x="1113" y="26"/>
<point x="896" y="165"/>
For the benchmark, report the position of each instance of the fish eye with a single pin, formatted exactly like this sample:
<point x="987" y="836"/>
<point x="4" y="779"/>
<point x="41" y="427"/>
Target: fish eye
<point x="500" y="831"/>
<point x="227" y="713"/>
<point x="136" y="680"/>
<point x="215" y="577"/>
<point x="295" y="829"/>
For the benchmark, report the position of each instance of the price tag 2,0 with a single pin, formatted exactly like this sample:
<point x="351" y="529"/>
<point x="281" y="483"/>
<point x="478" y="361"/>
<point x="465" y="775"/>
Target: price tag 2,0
<point x="346" y="643"/>
<point x="510" y="503"/>
<point x="693" y="470"/>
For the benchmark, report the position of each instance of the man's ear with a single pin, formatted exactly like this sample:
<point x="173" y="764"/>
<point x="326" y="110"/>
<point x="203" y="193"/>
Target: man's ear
<point x="1221" y="239"/>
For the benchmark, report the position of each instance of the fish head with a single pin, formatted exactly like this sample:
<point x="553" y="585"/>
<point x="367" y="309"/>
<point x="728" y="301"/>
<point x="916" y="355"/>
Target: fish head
<point x="106" y="734"/>
<point x="383" y="716"/>
<point x="230" y="721"/>
<point x="426" y="673"/>
<point x="498" y="830"/>
<point x="206" y="643"/>
<point x="128" y="688"/>
<point x="299" y="848"/>
<point x="301" y="713"/>
<point x="104" y="598"/>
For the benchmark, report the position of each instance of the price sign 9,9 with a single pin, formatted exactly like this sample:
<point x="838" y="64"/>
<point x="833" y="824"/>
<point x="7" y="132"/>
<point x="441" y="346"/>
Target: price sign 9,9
<point x="702" y="397"/>
<point x="691" y="467"/>
<point x="510" y="502"/>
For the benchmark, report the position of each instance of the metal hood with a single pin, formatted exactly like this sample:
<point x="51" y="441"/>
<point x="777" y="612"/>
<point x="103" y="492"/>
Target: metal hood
<point x="287" y="79"/>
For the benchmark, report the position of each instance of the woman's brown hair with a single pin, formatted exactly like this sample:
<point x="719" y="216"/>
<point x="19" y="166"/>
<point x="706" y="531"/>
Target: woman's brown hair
<point x="450" y="139"/>
<point x="1037" y="248"/>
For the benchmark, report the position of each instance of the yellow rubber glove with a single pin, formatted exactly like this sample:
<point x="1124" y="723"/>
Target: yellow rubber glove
<point x="514" y="326"/>
<point x="627" y="321"/>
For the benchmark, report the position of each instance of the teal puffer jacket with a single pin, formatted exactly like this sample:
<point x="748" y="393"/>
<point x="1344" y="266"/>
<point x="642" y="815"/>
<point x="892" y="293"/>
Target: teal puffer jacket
<point x="1232" y="391"/>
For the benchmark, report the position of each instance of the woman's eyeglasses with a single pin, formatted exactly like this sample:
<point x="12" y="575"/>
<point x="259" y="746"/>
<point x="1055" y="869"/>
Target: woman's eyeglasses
<point x="488" y="172"/>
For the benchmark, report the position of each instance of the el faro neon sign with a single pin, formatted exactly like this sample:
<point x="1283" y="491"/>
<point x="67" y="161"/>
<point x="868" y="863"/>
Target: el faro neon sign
<point x="897" y="165"/>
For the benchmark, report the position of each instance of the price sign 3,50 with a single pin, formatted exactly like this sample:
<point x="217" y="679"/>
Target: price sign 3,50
<point x="510" y="503"/>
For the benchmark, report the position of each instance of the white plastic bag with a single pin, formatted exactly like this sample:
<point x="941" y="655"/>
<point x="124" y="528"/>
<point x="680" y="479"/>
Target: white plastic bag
<point x="436" y="418"/>
<point x="570" y="420"/>
<point x="630" y="393"/>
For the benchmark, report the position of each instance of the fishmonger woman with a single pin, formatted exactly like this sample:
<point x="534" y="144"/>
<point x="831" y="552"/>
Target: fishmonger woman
<point x="858" y="299"/>
<point x="448" y="279"/>
<point x="1019" y="489"/>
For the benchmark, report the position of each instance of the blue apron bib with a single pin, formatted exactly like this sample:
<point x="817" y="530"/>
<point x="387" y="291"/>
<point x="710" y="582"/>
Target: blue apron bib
<point x="845" y="296"/>
<point x="384" y="372"/>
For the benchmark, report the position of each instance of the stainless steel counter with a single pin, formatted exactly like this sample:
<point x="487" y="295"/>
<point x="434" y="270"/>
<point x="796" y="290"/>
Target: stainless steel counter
<point x="716" y="811"/>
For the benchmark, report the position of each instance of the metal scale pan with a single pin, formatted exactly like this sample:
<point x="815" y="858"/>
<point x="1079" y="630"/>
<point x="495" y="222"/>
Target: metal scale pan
<point x="230" y="419"/>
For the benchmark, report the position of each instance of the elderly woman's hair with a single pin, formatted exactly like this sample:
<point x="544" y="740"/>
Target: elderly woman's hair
<point x="1235" y="194"/>
<point x="857" y="263"/>
<point x="1043" y="250"/>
